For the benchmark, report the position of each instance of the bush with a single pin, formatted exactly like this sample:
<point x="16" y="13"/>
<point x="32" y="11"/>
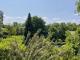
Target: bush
<point x="39" y="48"/>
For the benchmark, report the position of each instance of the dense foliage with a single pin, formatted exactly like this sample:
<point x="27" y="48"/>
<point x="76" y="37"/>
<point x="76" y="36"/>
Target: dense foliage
<point x="33" y="24"/>
<point x="34" y="40"/>
<point x="41" y="48"/>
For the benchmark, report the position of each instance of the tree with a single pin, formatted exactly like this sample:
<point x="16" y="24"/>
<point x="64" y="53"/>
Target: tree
<point x="57" y="31"/>
<point x="18" y="29"/>
<point x="78" y="6"/>
<point x="28" y="27"/>
<point x="71" y="26"/>
<point x="32" y="25"/>
<point x="5" y="32"/>
<point x="1" y="23"/>
<point x="38" y="23"/>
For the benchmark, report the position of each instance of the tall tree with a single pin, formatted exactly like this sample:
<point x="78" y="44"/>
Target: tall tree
<point x="28" y="28"/>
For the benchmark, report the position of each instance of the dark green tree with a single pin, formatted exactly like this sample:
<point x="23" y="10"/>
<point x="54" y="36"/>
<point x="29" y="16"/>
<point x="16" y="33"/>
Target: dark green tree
<point x="38" y="23"/>
<point x="28" y="28"/>
<point x="1" y="23"/>
<point x="32" y="25"/>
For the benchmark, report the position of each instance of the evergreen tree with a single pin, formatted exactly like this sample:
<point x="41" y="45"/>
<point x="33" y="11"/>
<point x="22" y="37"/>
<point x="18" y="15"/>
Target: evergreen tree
<point x="28" y="29"/>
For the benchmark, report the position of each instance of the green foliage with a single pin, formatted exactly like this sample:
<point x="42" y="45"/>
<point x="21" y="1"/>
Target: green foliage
<point x="6" y="43"/>
<point x="62" y="42"/>
<point x="28" y="27"/>
<point x="12" y="48"/>
<point x="78" y="6"/>
<point x="5" y="32"/>
<point x="71" y="26"/>
<point x="57" y="31"/>
<point x="1" y="24"/>
<point x="14" y="29"/>
<point x="73" y="39"/>
<point x="38" y="23"/>
<point x="39" y="48"/>
<point x="32" y="25"/>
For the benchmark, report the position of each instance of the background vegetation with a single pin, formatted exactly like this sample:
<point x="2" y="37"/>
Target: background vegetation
<point x="34" y="40"/>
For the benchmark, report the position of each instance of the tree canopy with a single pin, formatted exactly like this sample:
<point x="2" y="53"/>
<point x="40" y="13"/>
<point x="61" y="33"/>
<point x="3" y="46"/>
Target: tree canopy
<point x="78" y="6"/>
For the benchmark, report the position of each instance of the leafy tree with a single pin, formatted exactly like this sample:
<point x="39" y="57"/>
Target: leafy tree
<point x="32" y="25"/>
<point x="57" y="31"/>
<point x="14" y="29"/>
<point x="38" y="23"/>
<point x="71" y="26"/>
<point x="1" y="23"/>
<point x="78" y="6"/>
<point x="5" y="32"/>
<point x="18" y="28"/>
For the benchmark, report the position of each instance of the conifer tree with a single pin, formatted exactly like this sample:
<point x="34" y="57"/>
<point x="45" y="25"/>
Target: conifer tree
<point x="28" y="29"/>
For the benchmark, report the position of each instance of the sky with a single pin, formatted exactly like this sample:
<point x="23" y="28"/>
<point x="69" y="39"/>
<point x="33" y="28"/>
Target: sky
<point x="50" y="10"/>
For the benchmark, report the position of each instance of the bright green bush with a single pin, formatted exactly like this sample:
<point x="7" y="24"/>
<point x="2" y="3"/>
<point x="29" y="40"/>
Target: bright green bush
<point x="39" y="48"/>
<point x="16" y="40"/>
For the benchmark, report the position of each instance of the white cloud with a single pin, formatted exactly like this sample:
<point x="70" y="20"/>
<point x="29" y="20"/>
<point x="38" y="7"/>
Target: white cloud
<point x="75" y="21"/>
<point x="60" y="20"/>
<point x="10" y="20"/>
<point x="46" y="20"/>
<point x="76" y="14"/>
